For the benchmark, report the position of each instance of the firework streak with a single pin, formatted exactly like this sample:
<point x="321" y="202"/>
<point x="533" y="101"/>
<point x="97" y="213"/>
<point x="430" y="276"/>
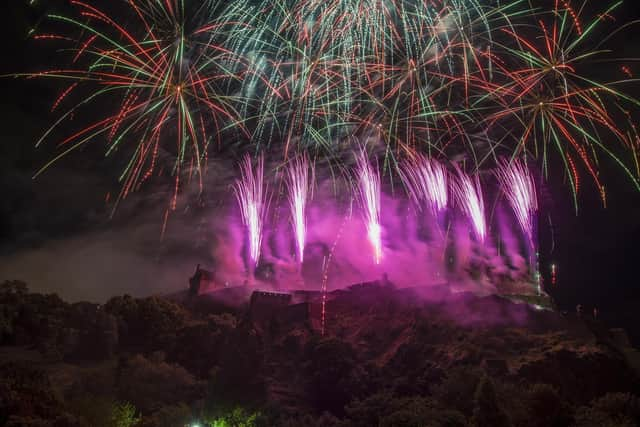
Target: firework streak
<point x="369" y="191"/>
<point x="300" y="185"/>
<point x="518" y="186"/>
<point x="169" y="83"/>
<point x="250" y="193"/>
<point x="468" y="194"/>
<point x="426" y="181"/>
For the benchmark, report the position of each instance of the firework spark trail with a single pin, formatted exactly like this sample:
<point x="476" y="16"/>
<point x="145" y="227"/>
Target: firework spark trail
<point x="325" y="272"/>
<point x="186" y="78"/>
<point x="426" y="181"/>
<point x="560" y="108"/>
<point x="369" y="192"/>
<point x="468" y="194"/>
<point x="362" y="62"/>
<point x="300" y="187"/>
<point x="161" y="73"/>
<point x="519" y="188"/>
<point x="250" y="193"/>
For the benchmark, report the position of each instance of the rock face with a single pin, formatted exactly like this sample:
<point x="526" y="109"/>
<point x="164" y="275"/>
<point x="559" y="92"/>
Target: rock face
<point x="264" y="305"/>
<point x="387" y="357"/>
<point x="418" y="338"/>
<point x="93" y="334"/>
<point x="587" y="372"/>
<point x="496" y="367"/>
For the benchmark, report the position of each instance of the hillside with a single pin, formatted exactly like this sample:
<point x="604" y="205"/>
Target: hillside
<point x="389" y="357"/>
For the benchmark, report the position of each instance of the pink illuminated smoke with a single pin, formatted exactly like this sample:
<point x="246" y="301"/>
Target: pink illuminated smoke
<point x="468" y="194"/>
<point x="249" y="190"/>
<point x="299" y="184"/>
<point x="518" y="186"/>
<point x="369" y="191"/>
<point x="426" y="181"/>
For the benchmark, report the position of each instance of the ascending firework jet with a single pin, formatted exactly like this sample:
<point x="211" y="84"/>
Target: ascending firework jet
<point x="300" y="187"/>
<point x="369" y="191"/>
<point x="468" y="194"/>
<point x="249" y="190"/>
<point x="426" y="181"/>
<point x="518" y="186"/>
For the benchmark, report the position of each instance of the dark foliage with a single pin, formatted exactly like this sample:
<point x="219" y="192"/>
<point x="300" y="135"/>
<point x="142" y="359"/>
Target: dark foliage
<point x="612" y="409"/>
<point x="199" y="346"/>
<point x="152" y="384"/>
<point x="457" y="389"/>
<point x="387" y="361"/>
<point x="487" y="411"/>
<point x="27" y="398"/>
<point x="334" y="374"/>
<point x="238" y="378"/>
<point x="147" y="324"/>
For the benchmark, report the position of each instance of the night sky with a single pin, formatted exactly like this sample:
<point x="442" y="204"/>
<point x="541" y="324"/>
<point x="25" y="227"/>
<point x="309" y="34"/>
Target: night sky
<point x="56" y="232"/>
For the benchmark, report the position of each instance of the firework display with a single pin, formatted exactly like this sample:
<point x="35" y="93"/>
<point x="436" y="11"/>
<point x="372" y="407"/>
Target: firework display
<point x="449" y="78"/>
<point x="159" y="72"/>
<point x="439" y="92"/>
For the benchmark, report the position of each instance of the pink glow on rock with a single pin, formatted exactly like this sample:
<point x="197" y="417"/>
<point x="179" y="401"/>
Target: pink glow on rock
<point x="336" y="254"/>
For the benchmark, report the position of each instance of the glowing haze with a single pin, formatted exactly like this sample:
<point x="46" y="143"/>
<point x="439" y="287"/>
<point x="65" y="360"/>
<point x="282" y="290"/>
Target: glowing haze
<point x="178" y="84"/>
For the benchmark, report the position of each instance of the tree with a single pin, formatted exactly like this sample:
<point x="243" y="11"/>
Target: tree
<point x="94" y="411"/>
<point x="546" y="408"/>
<point x="238" y="417"/>
<point x="238" y="379"/>
<point x="151" y="385"/>
<point x="14" y="287"/>
<point x="124" y="415"/>
<point x="26" y="392"/>
<point x="333" y="374"/>
<point x="610" y="410"/>
<point x="148" y="324"/>
<point x="199" y="345"/>
<point x="368" y="411"/>
<point x="487" y="412"/>
<point x="421" y="413"/>
<point x="171" y="416"/>
<point x="457" y="389"/>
